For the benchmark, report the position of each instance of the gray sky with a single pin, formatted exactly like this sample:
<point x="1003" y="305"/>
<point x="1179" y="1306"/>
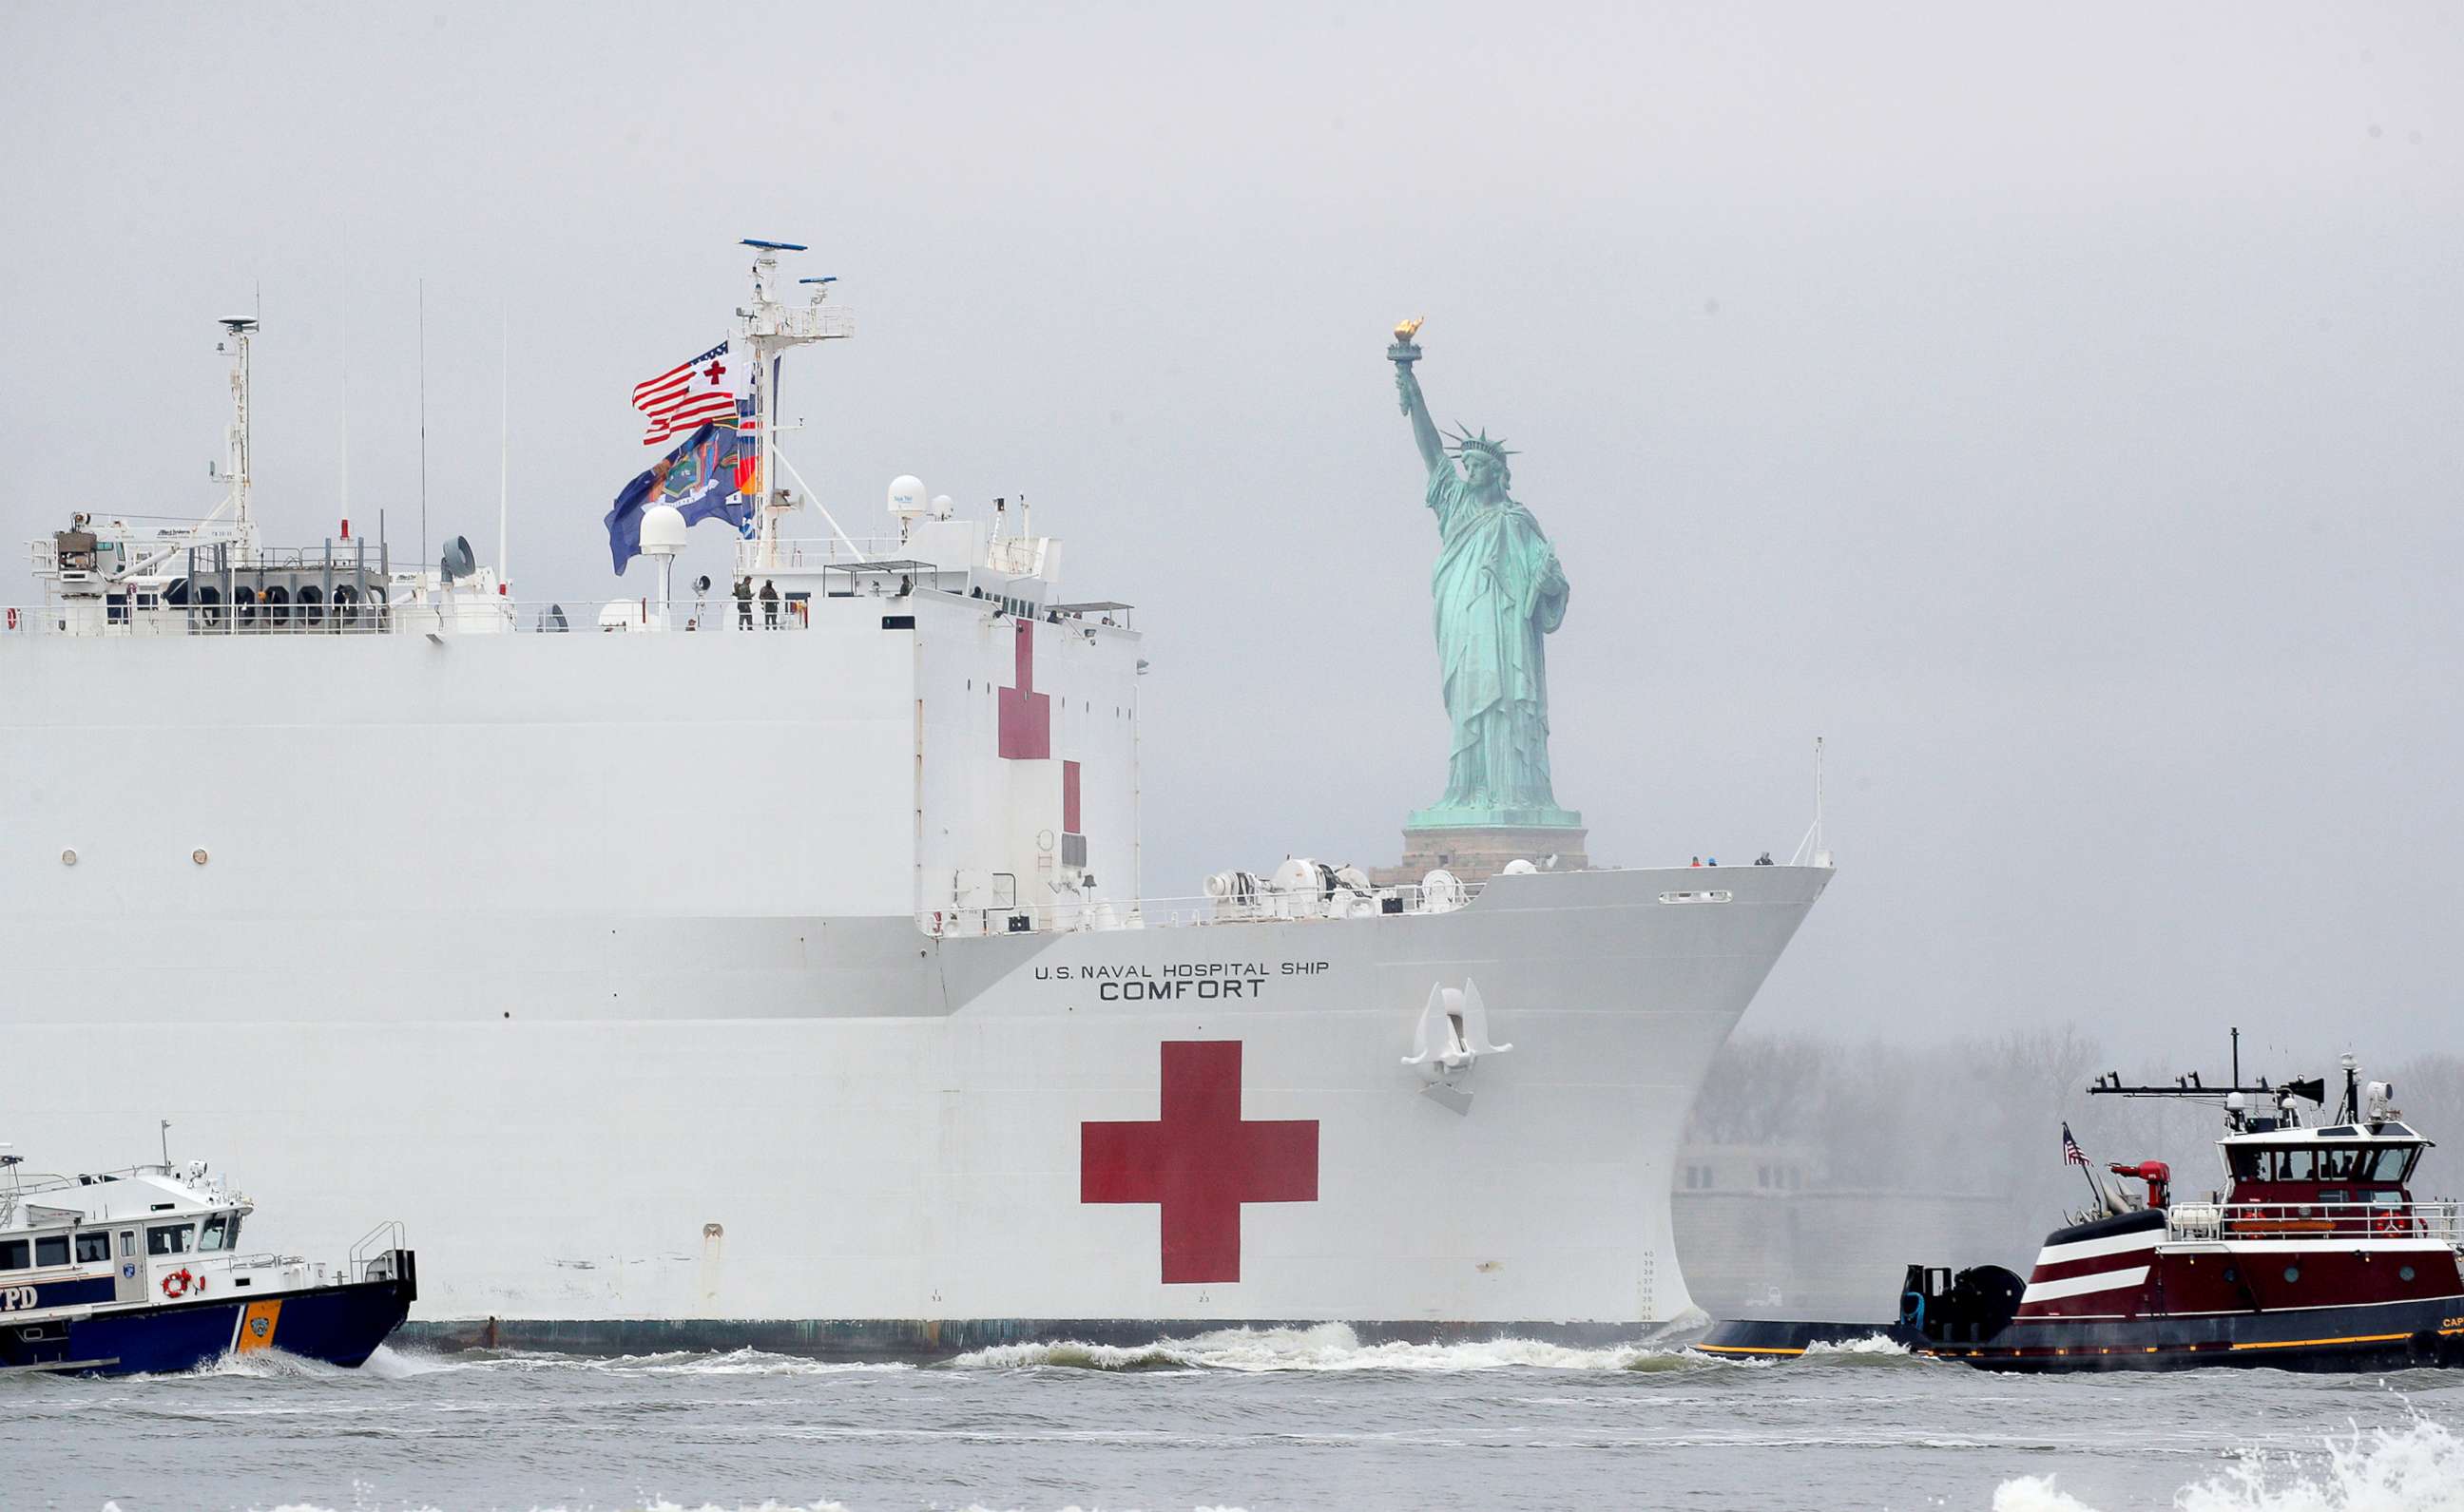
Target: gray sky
<point x="2054" y="409"/>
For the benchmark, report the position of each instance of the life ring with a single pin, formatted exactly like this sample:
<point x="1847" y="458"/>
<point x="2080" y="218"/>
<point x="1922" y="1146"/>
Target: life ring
<point x="177" y="1283"/>
<point x="2392" y="1223"/>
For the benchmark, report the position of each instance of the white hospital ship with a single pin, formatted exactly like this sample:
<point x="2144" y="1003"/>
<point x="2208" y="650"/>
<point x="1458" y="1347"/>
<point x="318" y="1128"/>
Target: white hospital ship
<point x="783" y="976"/>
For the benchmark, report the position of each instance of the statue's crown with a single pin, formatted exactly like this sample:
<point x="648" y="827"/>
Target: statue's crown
<point x="1465" y="441"/>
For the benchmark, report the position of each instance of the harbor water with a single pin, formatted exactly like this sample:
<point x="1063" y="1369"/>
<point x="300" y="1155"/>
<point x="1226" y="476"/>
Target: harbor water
<point x="1307" y="1419"/>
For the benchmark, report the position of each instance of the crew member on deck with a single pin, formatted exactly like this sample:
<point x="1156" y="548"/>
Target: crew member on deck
<point x="744" y="604"/>
<point x="769" y="604"/>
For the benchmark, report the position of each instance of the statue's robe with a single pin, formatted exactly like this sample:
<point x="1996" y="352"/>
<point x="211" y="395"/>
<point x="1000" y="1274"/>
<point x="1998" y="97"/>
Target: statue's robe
<point x="1498" y="590"/>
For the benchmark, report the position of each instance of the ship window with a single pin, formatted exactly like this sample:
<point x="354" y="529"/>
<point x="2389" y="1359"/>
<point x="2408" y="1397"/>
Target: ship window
<point x="168" y="1238"/>
<point x="92" y="1247"/>
<point x="2291" y="1273"/>
<point x="51" y="1249"/>
<point x="14" y="1255"/>
<point x="2291" y="1165"/>
<point x="2403" y="1273"/>
<point x="127" y="1244"/>
<point x="214" y="1236"/>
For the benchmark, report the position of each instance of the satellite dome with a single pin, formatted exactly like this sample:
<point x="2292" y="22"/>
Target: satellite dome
<point x="943" y="507"/>
<point x="906" y="496"/>
<point x="663" y="530"/>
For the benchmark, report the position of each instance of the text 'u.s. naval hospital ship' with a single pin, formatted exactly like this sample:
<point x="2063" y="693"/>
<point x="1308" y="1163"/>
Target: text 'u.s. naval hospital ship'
<point x="778" y="975"/>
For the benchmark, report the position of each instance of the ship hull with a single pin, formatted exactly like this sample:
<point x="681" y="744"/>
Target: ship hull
<point x="918" y="1141"/>
<point x="339" y="1325"/>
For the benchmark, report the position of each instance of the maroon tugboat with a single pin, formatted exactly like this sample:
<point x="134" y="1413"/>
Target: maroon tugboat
<point x="2315" y="1257"/>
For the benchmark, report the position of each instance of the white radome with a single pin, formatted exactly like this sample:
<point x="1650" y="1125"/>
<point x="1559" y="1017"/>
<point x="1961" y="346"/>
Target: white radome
<point x="663" y="530"/>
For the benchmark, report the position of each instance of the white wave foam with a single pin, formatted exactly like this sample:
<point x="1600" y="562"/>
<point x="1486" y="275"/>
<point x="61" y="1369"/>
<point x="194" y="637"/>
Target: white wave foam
<point x="1326" y="1346"/>
<point x="2035" y="1494"/>
<point x="269" y="1365"/>
<point x="2415" y="1468"/>
<point x="1871" y="1343"/>
<point x="685" y="1361"/>
<point x="660" y="1506"/>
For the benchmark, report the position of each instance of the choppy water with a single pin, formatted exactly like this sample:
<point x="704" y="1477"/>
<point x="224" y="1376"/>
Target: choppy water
<point x="1298" y="1419"/>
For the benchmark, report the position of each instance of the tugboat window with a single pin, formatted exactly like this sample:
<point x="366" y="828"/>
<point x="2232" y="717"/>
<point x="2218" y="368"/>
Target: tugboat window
<point x="14" y="1255"/>
<point x="92" y="1247"/>
<point x="51" y="1249"/>
<point x="168" y="1238"/>
<point x="212" y="1238"/>
<point x="2291" y="1273"/>
<point x="2403" y="1273"/>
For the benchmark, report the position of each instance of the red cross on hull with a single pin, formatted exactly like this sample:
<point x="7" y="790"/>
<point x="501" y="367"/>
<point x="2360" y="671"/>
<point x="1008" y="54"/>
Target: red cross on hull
<point x="1199" y="1162"/>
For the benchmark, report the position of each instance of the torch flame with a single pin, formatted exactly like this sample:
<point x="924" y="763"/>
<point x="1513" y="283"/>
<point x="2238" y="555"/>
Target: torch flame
<point x="1405" y="330"/>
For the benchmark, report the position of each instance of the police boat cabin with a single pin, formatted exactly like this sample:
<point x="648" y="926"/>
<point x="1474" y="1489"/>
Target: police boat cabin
<point x="141" y="1271"/>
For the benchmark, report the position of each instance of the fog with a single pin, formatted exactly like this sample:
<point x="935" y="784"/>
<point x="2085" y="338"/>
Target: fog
<point x="2054" y="411"/>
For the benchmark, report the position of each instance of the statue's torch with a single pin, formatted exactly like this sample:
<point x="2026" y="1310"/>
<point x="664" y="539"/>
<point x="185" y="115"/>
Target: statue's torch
<point x="1405" y="352"/>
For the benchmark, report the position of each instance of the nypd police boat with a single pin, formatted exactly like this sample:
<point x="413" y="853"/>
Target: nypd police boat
<point x="141" y="1271"/>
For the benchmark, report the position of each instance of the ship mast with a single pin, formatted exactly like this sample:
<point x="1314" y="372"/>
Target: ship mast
<point x="765" y="331"/>
<point x="235" y="463"/>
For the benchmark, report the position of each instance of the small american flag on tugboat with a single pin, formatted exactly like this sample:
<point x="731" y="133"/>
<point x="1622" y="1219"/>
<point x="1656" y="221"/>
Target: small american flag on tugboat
<point x="2071" y="1150"/>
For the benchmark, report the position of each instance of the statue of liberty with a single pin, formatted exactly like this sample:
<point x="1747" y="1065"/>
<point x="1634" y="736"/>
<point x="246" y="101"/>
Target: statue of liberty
<point x="1499" y="591"/>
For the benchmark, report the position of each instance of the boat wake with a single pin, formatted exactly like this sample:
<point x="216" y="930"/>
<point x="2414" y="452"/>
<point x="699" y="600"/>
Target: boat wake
<point x="2415" y="1468"/>
<point x="1326" y="1346"/>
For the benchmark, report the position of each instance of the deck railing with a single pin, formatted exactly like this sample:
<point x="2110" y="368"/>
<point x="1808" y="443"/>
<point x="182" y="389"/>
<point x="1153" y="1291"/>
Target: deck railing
<point x="2324" y="1221"/>
<point x="1261" y="906"/>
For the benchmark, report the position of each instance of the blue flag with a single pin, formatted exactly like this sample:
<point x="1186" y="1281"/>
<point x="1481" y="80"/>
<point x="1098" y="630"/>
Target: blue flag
<point x="698" y="478"/>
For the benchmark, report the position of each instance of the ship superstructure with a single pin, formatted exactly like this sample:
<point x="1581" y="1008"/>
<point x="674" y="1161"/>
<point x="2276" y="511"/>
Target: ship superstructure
<point x="768" y="961"/>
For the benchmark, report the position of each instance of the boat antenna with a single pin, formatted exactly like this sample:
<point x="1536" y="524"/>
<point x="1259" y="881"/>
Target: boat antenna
<point x="2236" y="1055"/>
<point x="423" y="420"/>
<point x="165" y="1132"/>
<point x="1821" y="849"/>
<point x="345" y="388"/>
<point x="504" y="438"/>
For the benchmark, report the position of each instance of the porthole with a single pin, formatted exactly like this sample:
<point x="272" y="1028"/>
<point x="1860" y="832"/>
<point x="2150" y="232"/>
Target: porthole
<point x="2403" y="1273"/>
<point x="2232" y="1274"/>
<point x="67" y="857"/>
<point x="2291" y="1273"/>
<point x="198" y="856"/>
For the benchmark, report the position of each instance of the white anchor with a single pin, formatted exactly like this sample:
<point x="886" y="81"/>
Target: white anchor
<point x="1452" y="1037"/>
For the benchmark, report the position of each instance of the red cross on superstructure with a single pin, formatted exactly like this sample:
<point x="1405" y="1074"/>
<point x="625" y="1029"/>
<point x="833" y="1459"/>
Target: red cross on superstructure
<point x="1199" y="1162"/>
<point x="1025" y="714"/>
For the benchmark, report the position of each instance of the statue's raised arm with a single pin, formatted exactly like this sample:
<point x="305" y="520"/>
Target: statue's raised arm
<point x="1407" y="389"/>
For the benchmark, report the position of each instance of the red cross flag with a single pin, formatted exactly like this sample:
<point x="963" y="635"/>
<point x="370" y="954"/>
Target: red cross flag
<point x="688" y="395"/>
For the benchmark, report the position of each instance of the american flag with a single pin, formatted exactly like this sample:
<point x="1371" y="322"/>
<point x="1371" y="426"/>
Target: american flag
<point x="2071" y="1150"/>
<point x="688" y="395"/>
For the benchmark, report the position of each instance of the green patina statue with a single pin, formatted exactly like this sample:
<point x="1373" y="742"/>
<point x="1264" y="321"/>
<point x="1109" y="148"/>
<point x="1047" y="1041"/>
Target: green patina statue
<point x="1499" y="589"/>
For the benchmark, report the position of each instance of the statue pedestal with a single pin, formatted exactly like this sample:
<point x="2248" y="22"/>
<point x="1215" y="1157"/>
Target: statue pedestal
<point x="1476" y="853"/>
